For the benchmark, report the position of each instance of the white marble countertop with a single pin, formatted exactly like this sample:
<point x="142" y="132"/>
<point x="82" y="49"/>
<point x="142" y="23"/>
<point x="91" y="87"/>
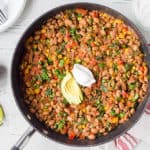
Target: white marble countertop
<point x="14" y="124"/>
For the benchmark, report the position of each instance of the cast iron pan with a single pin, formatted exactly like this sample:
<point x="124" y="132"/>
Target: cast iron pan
<point x="33" y="121"/>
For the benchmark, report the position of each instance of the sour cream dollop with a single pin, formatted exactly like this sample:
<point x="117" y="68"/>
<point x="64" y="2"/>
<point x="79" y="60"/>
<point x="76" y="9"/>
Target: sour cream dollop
<point x="83" y="75"/>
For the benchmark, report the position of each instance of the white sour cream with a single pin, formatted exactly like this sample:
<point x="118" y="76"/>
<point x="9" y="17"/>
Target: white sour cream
<point x="83" y="75"/>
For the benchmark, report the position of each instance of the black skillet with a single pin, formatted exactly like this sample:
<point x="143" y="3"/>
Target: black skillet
<point x="36" y="125"/>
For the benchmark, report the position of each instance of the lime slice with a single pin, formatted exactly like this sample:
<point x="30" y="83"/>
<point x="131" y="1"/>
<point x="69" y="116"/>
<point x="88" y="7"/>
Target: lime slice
<point x="1" y="115"/>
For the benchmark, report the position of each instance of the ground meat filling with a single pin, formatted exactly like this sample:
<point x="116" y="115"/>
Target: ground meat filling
<point x="100" y="42"/>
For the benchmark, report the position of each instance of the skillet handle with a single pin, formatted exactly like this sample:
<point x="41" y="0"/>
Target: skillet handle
<point x="23" y="139"/>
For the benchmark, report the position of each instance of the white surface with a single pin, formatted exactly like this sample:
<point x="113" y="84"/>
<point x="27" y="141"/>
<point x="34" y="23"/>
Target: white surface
<point x="15" y="9"/>
<point x="141" y="134"/>
<point x="15" y="125"/>
<point x="142" y="12"/>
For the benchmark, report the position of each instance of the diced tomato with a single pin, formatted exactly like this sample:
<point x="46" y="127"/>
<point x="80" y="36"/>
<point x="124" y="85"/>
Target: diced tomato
<point x="67" y="37"/>
<point x="129" y="104"/>
<point x="98" y="83"/>
<point x="64" y="130"/>
<point x="120" y="62"/>
<point x="82" y="137"/>
<point x="125" y="29"/>
<point x="93" y="62"/>
<point x="124" y="94"/>
<point x="43" y="36"/>
<point x="142" y="69"/>
<point x="71" y="135"/>
<point x="94" y="14"/>
<point x="35" y="70"/>
<point x="93" y="44"/>
<point x="71" y="44"/>
<point x="81" y="11"/>
<point x="81" y="54"/>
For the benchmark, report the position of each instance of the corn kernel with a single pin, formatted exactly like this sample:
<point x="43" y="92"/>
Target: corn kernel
<point x="118" y="21"/>
<point x="121" y="35"/>
<point x="67" y="61"/>
<point x="65" y="58"/>
<point x="59" y="56"/>
<point x="105" y="15"/>
<point x="65" y="16"/>
<point x="126" y="50"/>
<point x="47" y="54"/>
<point x="27" y="69"/>
<point x="82" y="126"/>
<point x="29" y="91"/>
<point x="43" y="31"/>
<point x="79" y="18"/>
<point x="109" y="64"/>
<point x="37" y="91"/>
<point x="77" y="60"/>
<point x="83" y="110"/>
<point x="35" y="46"/>
<point x="106" y="107"/>
<point x="129" y="32"/>
<point x="114" y="120"/>
<point x="122" y="100"/>
<point x="117" y="38"/>
<point x="68" y="49"/>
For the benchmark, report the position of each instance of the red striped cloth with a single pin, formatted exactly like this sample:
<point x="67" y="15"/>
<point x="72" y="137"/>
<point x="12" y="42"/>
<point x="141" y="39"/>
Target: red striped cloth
<point x="147" y="109"/>
<point x="127" y="141"/>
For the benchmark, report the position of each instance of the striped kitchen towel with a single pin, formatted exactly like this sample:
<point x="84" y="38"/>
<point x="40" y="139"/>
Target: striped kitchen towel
<point x="127" y="141"/>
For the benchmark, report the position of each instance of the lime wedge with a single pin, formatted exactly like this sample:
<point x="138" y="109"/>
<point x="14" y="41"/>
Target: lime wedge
<point x="1" y="115"/>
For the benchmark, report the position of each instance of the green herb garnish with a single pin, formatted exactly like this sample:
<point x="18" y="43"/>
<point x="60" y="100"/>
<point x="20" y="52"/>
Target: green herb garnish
<point x="65" y="102"/>
<point x="47" y="41"/>
<point x="114" y="45"/>
<point x="63" y="114"/>
<point x="113" y="112"/>
<point x="101" y="65"/>
<point x="108" y="125"/>
<point x="115" y="67"/>
<point x="83" y="121"/>
<point x="61" y="63"/>
<point x="49" y="61"/>
<point x="79" y="16"/>
<point x="121" y="115"/>
<point x="100" y="107"/>
<point x="60" y="124"/>
<point x="59" y="74"/>
<point x="104" y="88"/>
<point x="118" y="99"/>
<point x="132" y="86"/>
<point x="49" y="92"/>
<point x="38" y="77"/>
<point x="148" y="76"/>
<point x="91" y="21"/>
<point x="128" y="67"/>
<point x="62" y="30"/>
<point x="44" y="75"/>
<point x="73" y="32"/>
<point x="135" y="98"/>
